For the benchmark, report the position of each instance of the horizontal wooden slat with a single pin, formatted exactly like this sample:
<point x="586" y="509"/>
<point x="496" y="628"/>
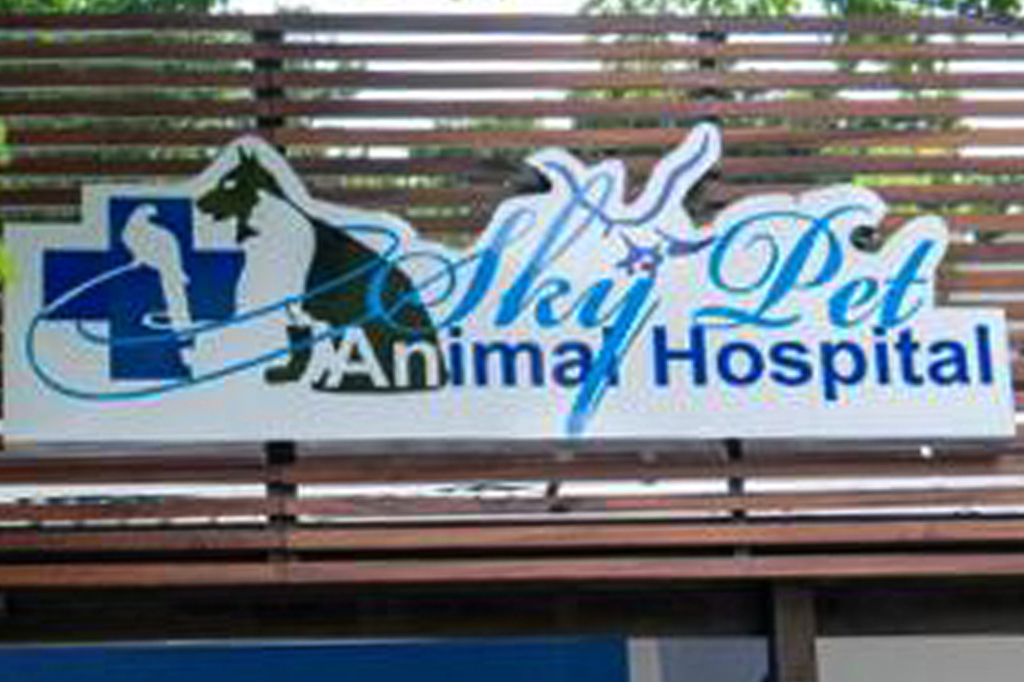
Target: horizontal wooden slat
<point x="610" y="570"/>
<point x="986" y="253"/>
<point x="632" y="536"/>
<point x="568" y="80"/>
<point x="472" y="167"/>
<point x="650" y="51"/>
<point x="661" y="137"/>
<point x="521" y="571"/>
<point x="128" y="108"/>
<point x="665" y="109"/>
<point x="161" y="22"/>
<point x="152" y="47"/>
<point x="164" y="574"/>
<point x="993" y="225"/>
<point x="566" y="504"/>
<point x="126" y="137"/>
<point x="122" y="78"/>
<point x="519" y="51"/>
<point x="98" y="467"/>
<point x="842" y="164"/>
<point x="500" y="23"/>
<point x="828" y="463"/>
<point x="489" y="196"/>
<point x="205" y="541"/>
<point x="589" y="80"/>
<point x="96" y="167"/>
<point x="985" y="281"/>
<point x="1014" y="310"/>
<point x="476" y="139"/>
<point x="592" y="110"/>
<point x="158" y="509"/>
<point x="616" y="538"/>
<point x="936" y="193"/>
<point x="715" y="192"/>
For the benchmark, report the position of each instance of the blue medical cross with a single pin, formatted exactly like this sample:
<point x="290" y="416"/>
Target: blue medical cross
<point x="127" y="300"/>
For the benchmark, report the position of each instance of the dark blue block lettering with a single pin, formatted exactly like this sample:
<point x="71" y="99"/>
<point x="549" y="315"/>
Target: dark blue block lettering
<point x="832" y="376"/>
<point x="727" y="366"/>
<point x="790" y="364"/>
<point x="696" y="355"/>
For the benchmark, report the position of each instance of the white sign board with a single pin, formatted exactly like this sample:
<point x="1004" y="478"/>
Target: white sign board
<point x="237" y="306"/>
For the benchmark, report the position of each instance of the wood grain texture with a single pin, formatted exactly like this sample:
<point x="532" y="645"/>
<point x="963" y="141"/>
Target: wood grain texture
<point x="510" y="572"/>
<point x="592" y="109"/>
<point x="498" y="23"/>
<point x="397" y="199"/>
<point x="936" y="142"/>
<point x="632" y="536"/>
<point x="469" y="168"/>
<point x="106" y="48"/>
<point x="138" y="543"/>
<point x="162" y="508"/>
<point x="852" y="501"/>
<point x="554" y="536"/>
<point x="579" y="80"/>
<point x="181" y="464"/>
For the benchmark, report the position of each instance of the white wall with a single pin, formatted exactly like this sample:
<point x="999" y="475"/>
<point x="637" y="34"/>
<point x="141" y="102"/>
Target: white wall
<point x="921" y="659"/>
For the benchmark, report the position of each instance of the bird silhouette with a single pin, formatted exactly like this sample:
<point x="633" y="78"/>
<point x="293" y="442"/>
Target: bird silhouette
<point x="152" y="244"/>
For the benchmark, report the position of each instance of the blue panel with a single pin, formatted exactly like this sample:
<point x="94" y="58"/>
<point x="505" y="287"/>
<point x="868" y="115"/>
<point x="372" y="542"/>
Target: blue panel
<point x="71" y="268"/>
<point x="549" y="660"/>
<point x="137" y="352"/>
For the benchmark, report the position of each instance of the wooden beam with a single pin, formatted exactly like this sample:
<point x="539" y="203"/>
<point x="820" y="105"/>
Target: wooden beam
<point x="794" y="629"/>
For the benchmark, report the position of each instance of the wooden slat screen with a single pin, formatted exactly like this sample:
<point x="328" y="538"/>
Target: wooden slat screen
<point x="406" y="113"/>
<point x="492" y="514"/>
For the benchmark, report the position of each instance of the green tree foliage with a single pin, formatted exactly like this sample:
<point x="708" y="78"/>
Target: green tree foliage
<point x="691" y="7"/>
<point x="105" y="6"/>
<point x="21" y="7"/>
<point x="999" y="12"/>
<point x="978" y="8"/>
<point x="766" y="8"/>
<point x="6" y="265"/>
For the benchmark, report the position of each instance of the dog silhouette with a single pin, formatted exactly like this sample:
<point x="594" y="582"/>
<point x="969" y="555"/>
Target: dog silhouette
<point x="293" y="251"/>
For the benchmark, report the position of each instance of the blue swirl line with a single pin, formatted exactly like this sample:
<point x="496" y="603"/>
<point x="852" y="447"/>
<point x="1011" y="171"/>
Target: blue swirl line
<point x="659" y="205"/>
<point x="579" y="417"/>
<point x="196" y="330"/>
